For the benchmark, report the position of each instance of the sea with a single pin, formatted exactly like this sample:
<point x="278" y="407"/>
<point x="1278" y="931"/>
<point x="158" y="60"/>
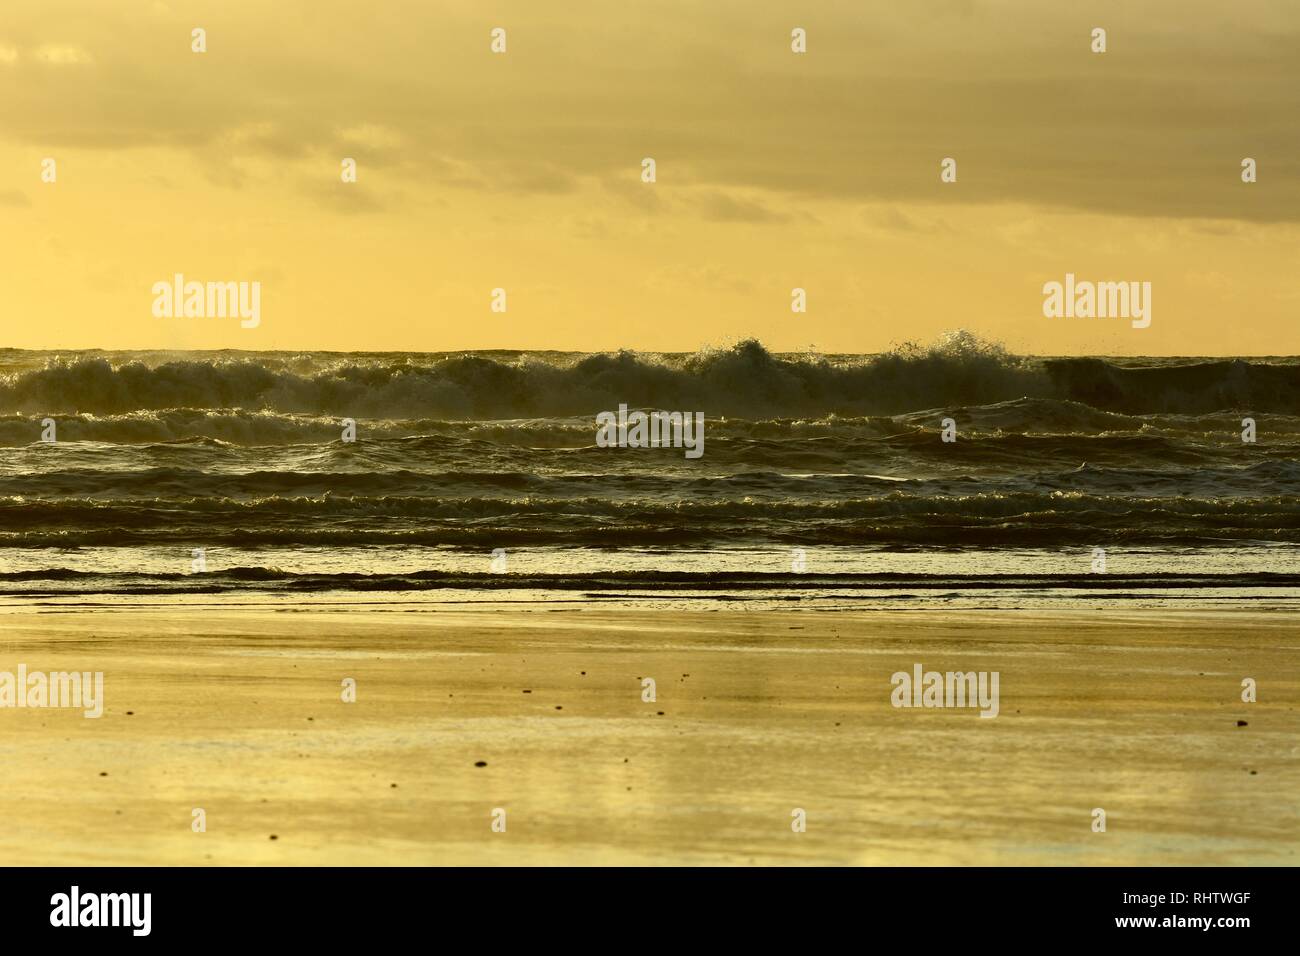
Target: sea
<point x="953" y="475"/>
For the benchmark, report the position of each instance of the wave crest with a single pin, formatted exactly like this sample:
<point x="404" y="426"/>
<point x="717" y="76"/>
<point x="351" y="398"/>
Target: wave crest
<point x="743" y="380"/>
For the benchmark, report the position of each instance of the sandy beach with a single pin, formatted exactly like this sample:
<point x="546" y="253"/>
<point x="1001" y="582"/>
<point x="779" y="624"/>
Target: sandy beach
<point x="238" y="712"/>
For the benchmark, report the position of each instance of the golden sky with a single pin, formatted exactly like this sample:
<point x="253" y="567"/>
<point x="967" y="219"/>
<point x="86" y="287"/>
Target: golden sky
<point x="775" y="170"/>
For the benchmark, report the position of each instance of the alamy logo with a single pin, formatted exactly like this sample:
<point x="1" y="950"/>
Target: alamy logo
<point x="75" y="689"/>
<point x="103" y="909"/>
<point x="651" y="430"/>
<point x="1098" y="300"/>
<point x="950" y="689"/>
<point x="179" y="299"/>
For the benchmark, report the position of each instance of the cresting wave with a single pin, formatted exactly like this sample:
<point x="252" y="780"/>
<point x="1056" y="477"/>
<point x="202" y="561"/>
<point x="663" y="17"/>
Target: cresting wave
<point x="745" y="380"/>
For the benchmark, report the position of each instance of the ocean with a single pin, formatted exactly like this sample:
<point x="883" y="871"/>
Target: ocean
<point x="220" y="477"/>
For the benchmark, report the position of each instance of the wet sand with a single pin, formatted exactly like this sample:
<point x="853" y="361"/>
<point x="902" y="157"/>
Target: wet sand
<point x="238" y="712"/>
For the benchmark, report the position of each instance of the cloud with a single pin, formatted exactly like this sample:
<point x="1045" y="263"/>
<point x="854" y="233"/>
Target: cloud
<point x="373" y="135"/>
<point x="723" y="207"/>
<point x="349" y="199"/>
<point x="1010" y="90"/>
<point x="677" y="278"/>
<point x="61" y="55"/>
<point x="892" y="219"/>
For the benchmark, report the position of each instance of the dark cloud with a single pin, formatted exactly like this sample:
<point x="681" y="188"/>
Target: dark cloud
<point x="1156" y="126"/>
<point x="723" y="207"/>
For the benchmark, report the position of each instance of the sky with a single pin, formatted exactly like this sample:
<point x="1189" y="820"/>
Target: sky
<point x="775" y="170"/>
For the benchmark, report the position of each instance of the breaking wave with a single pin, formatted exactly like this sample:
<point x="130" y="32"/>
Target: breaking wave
<point x="744" y="380"/>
